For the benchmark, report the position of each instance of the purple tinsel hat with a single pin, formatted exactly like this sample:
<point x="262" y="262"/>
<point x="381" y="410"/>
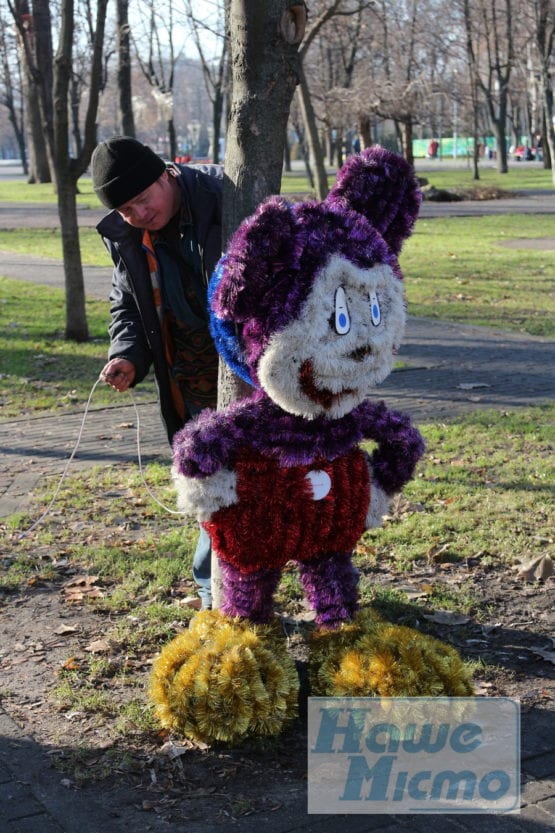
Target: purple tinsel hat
<point x="273" y="257"/>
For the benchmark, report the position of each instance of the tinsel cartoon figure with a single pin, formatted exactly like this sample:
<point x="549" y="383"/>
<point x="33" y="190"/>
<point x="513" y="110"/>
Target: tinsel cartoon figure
<point x="307" y="305"/>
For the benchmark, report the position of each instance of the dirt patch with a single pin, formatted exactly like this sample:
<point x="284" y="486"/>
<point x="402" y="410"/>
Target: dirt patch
<point x="41" y="632"/>
<point x="542" y="244"/>
<point x="485" y="192"/>
<point x="433" y="194"/>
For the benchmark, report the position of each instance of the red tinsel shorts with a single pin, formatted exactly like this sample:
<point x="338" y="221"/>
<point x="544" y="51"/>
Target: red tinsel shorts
<point x="277" y="517"/>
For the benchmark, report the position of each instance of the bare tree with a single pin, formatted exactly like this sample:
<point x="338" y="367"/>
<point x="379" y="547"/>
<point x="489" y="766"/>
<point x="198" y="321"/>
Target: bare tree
<point x="124" y="69"/>
<point x="401" y="67"/>
<point x="158" y="65"/>
<point x="474" y="93"/>
<point x="53" y="80"/>
<point x="264" y="37"/>
<point x="338" y="47"/>
<point x="314" y="153"/>
<point x="25" y="24"/>
<point x="490" y="40"/>
<point x="215" y="69"/>
<point x="43" y="74"/>
<point x="11" y="90"/>
<point x="325" y="11"/>
<point x="543" y="15"/>
<point x="69" y="168"/>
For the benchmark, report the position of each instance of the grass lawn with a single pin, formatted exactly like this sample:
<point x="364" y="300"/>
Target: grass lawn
<point x="41" y="371"/>
<point x="519" y="177"/>
<point x="21" y="191"/>
<point x="48" y="243"/>
<point x="457" y="269"/>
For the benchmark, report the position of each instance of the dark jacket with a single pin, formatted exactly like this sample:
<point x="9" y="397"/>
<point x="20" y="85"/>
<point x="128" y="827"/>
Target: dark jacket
<point x="134" y="327"/>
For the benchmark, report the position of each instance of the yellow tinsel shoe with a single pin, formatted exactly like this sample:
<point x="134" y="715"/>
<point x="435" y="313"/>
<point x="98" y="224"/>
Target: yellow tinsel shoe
<point x="372" y="658"/>
<point x="225" y="679"/>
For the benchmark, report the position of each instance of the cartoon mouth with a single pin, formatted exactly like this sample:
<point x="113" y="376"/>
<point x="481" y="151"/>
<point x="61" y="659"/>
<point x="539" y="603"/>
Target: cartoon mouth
<point x="360" y="353"/>
<point x="322" y="396"/>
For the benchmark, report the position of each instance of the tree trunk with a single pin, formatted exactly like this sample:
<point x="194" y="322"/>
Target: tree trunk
<point x="39" y="170"/>
<point x="264" y="75"/>
<point x="264" y="39"/>
<point x="365" y="131"/>
<point x="549" y="133"/>
<point x="74" y="104"/>
<point x="172" y="139"/>
<point x="68" y="170"/>
<point x="76" y="318"/>
<point x="299" y="129"/>
<point x="287" y="157"/>
<point x="42" y="72"/>
<point x="217" y="112"/>
<point x="340" y="146"/>
<point x="19" y="133"/>
<point x="15" y="116"/>
<point x="76" y="321"/>
<point x="124" y="70"/>
<point x="499" y="122"/>
<point x="406" y="133"/>
<point x="311" y="133"/>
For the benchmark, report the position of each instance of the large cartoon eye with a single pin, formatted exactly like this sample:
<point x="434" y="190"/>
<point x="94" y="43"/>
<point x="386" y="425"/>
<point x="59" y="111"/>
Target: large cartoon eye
<point x="342" y="322"/>
<point x="375" y="309"/>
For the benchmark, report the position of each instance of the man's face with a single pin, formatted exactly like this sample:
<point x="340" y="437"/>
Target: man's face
<point x="154" y="207"/>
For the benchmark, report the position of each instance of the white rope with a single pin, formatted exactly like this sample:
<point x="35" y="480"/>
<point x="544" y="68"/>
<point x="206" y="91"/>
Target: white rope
<point x="74" y="452"/>
<point x="140" y="461"/>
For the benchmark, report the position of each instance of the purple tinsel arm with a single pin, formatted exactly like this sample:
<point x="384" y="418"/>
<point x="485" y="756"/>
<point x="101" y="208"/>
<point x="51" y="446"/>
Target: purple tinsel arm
<point x="210" y="442"/>
<point x="207" y="444"/>
<point x="400" y="445"/>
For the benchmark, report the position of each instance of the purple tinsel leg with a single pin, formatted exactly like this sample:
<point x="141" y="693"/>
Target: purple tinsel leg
<point x="249" y="595"/>
<point x="330" y="584"/>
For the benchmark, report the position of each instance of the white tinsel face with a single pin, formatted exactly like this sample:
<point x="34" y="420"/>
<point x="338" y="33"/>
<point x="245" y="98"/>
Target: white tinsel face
<point x="341" y="346"/>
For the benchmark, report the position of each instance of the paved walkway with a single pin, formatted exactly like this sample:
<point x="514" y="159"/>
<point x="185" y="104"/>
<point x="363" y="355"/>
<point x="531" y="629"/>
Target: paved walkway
<point x="447" y="369"/>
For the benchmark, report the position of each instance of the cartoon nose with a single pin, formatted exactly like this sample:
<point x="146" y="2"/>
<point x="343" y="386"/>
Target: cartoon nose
<point x="360" y="353"/>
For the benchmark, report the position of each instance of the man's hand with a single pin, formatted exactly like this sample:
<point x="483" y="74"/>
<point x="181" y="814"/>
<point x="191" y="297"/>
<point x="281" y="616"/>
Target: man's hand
<point x="119" y="373"/>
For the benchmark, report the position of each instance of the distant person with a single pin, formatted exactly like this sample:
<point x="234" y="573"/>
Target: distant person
<point x="164" y="237"/>
<point x="433" y="148"/>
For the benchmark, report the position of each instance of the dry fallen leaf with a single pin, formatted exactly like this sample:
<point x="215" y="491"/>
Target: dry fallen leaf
<point x="99" y="646"/>
<point x="538" y="568"/>
<point x="174" y="750"/>
<point x="81" y="580"/>
<point x="65" y="629"/>
<point x="413" y="592"/>
<point x="71" y="664"/>
<point x="482" y="689"/>
<point x="81" y="587"/>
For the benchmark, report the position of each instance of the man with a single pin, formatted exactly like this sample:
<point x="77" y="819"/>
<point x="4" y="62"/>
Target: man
<point x="164" y="237"/>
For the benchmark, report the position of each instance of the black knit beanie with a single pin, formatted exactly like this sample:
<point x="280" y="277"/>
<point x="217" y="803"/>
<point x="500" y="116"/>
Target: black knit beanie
<point x="121" y="168"/>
